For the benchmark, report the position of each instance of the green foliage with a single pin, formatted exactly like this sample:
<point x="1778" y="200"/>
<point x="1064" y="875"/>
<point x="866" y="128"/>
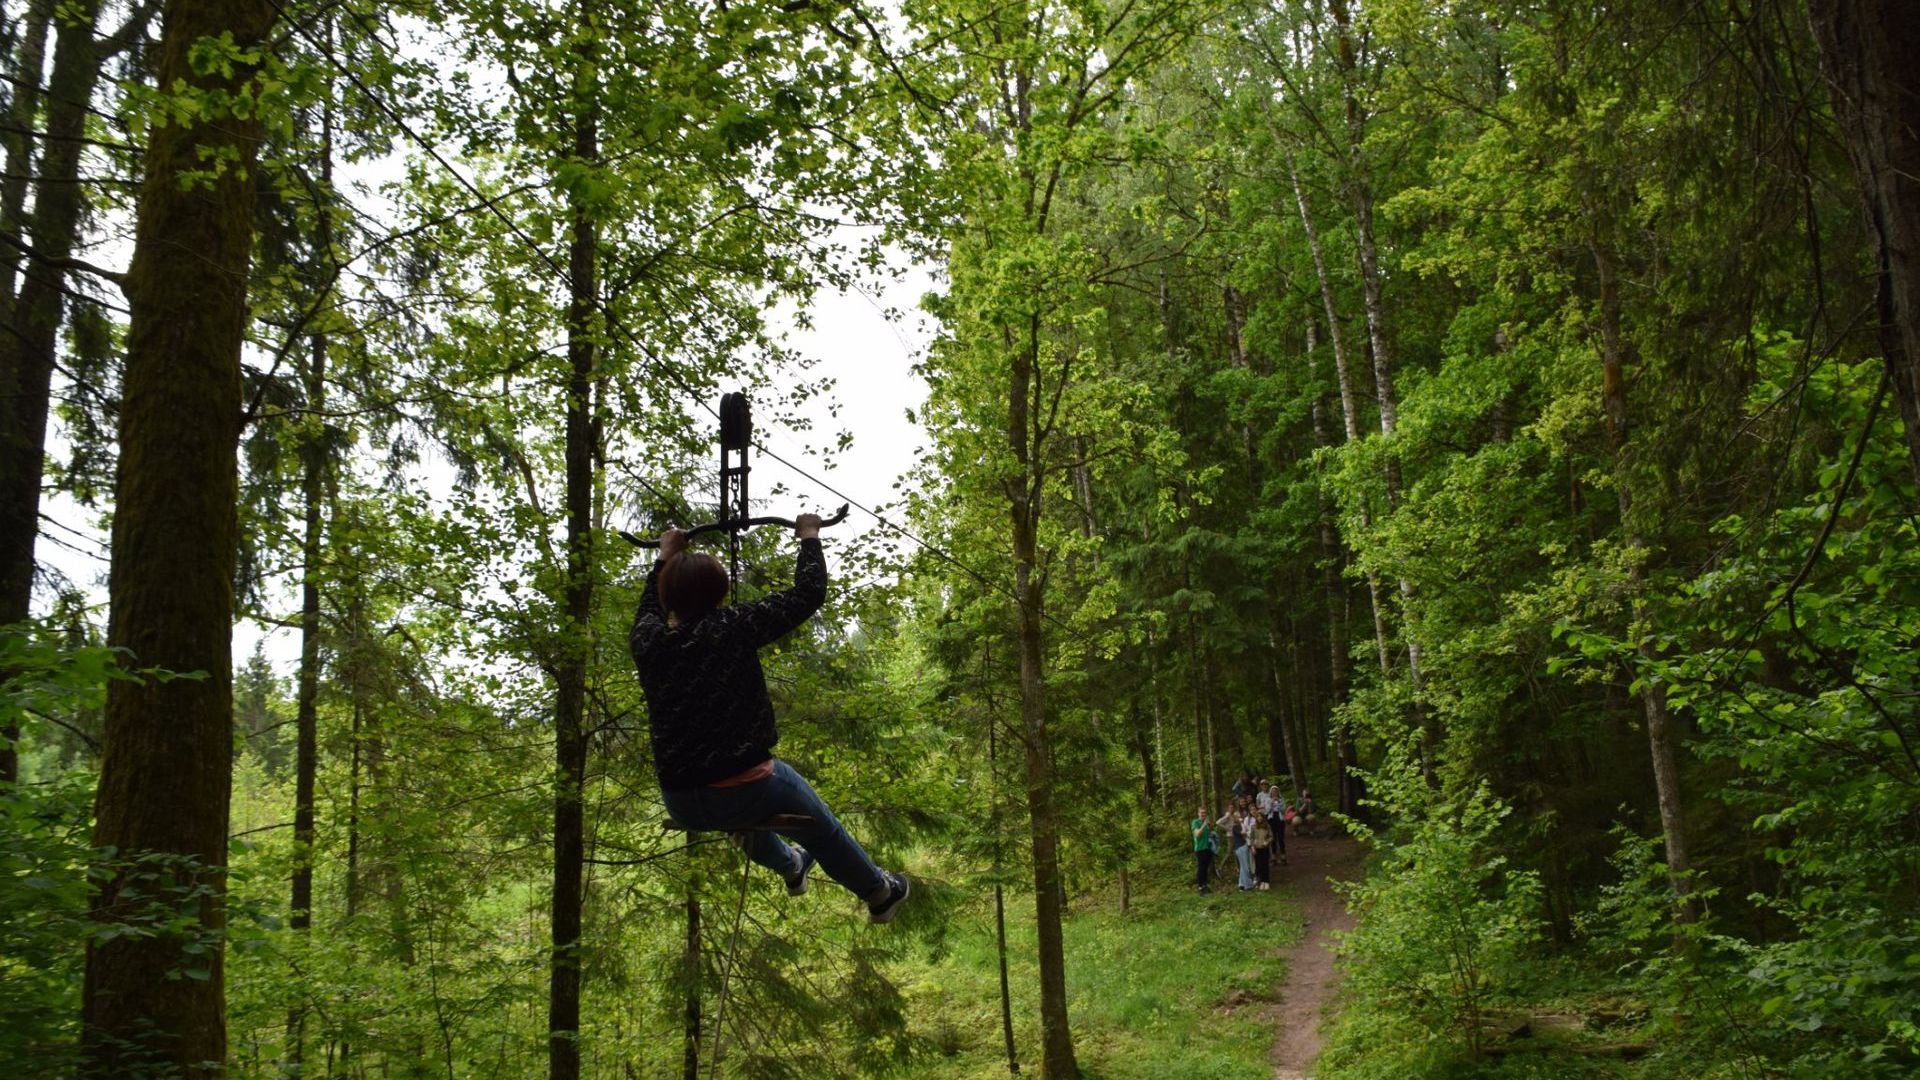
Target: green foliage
<point x="43" y="906"/>
<point x="49" y="870"/>
<point x="1802" y="676"/>
<point x="1445" y="919"/>
<point x="44" y="851"/>
<point x="1565" y="406"/>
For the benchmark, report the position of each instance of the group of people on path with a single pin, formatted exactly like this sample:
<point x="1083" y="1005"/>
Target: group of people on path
<point x="1253" y="826"/>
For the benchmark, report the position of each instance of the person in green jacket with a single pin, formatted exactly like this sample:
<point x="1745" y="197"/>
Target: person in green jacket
<point x="1205" y="843"/>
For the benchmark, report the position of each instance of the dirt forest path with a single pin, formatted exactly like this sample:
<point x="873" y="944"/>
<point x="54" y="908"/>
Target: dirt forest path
<point x="1311" y="975"/>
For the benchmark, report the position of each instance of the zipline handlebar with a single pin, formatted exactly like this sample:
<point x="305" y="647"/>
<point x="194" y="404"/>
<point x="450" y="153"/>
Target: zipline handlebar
<point x="735" y="525"/>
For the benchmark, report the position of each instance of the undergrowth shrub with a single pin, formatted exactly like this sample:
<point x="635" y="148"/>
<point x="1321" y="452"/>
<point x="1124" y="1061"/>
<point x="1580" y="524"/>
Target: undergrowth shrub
<point x="1444" y="922"/>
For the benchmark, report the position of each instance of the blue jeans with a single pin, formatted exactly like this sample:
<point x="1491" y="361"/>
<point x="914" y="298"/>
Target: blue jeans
<point x="1245" y="855"/>
<point x="713" y="809"/>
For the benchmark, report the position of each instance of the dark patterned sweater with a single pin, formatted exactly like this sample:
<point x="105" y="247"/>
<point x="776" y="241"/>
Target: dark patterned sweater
<point x="706" y="695"/>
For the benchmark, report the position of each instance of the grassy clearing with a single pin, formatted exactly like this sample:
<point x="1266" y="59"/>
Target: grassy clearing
<point x="1182" y="986"/>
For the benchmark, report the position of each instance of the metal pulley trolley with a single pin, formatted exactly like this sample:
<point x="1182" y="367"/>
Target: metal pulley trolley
<point x="736" y="444"/>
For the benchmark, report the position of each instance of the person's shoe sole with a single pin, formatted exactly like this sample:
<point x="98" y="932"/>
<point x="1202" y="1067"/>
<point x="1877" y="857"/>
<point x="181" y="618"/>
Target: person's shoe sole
<point x="885" y="912"/>
<point x="797" y="884"/>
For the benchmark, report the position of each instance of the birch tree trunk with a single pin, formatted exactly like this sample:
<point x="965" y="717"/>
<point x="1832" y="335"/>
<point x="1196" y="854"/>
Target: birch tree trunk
<point x="1349" y="406"/>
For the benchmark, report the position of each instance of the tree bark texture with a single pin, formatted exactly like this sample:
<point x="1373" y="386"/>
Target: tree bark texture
<point x="1235" y="310"/>
<point x="1870" y="52"/>
<point x="166" y="770"/>
<point x="1230" y="757"/>
<point x="1280" y="741"/>
<point x="569" y="826"/>
<point x="1359" y="184"/>
<point x="1332" y="550"/>
<point x="1141" y="730"/>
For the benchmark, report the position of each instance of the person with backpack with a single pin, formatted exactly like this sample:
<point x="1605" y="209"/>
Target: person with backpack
<point x="1260" y="839"/>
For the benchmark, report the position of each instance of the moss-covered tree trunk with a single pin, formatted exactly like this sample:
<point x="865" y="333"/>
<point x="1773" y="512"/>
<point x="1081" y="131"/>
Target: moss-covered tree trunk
<point x="166" y="770"/>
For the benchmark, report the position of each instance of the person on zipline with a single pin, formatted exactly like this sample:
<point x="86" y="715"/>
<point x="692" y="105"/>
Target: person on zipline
<point x="712" y="721"/>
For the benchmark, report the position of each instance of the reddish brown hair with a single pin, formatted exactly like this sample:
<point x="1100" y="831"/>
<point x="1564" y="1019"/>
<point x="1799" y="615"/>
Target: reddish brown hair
<point x="692" y="583"/>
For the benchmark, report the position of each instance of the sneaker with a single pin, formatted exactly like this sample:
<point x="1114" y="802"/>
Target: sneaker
<point x="797" y="883"/>
<point x="884" y="912"/>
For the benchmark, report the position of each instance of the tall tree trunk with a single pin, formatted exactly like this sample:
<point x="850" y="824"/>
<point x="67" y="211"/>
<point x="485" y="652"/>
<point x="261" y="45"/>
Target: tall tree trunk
<point x="1156" y="743"/>
<point x="1280" y="727"/>
<point x="314" y="454"/>
<point x="1307" y="699"/>
<point x="1089" y="529"/>
<point x="1199" y="742"/>
<point x="569" y="828"/>
<point x="1210" y="789"/>
<point x="1653" y="695"/>
<point x="1332" y="552"/>
<point x="354" y="657"/>
<point x="28" y="63"/>
<point x="166" y="771"/>
<point x="350" y="647"/>
<point x="1024" y="499"/>
<point x="1142" y="732"/>
<point x="1359" y="183"/>
<point x="1867" y="49"/>
<point x="31" y="333"/>
<point x="1230" y="749"/>
<point x="1234" y="306"/>
<point x="690" y="973"/>
<point x="1349" y="405"/>
<point x="999" y="889"/>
